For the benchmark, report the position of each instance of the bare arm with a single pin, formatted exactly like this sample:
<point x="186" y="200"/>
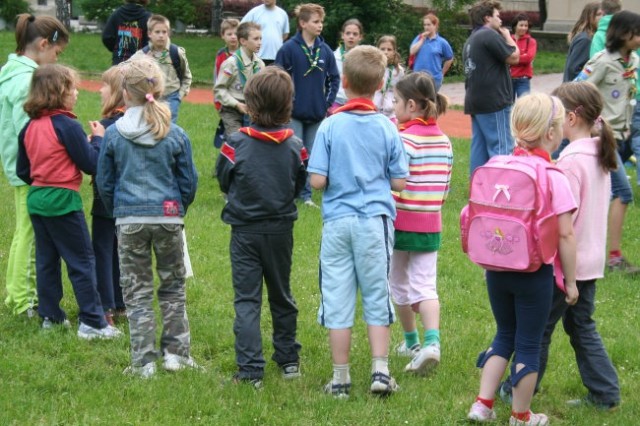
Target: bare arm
<point x="317" y="181"/>
<point x="398" y="184"/>
<point x="415" y="47"/>
<point x="446" y="65"/>
<point x="514" y="58"/>
<point x="567" y="249"/>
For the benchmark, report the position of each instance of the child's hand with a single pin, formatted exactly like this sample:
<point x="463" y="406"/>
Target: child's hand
<point x="572" y="293"/>
<point x="97" y="129"/>
<point x="242" y="108"/>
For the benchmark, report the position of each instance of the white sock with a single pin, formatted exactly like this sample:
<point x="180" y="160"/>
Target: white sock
<point x="341" y="373"/>
<point x="380" y="364"/>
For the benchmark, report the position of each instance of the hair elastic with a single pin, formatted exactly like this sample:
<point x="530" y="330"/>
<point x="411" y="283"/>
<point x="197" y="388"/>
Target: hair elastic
<point x="54" y="37"/>
<point x="149" y="97"/>
<point x="553" y="111"/>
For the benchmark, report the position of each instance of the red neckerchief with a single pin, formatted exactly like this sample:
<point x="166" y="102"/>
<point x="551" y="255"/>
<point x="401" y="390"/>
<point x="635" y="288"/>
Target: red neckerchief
<point x="539" y="152"/>
<point x="359" y="104"/>
<point x="50" y="112"/>
<point x="277" y="136"/>
<point x="417" y="121"/>
<point x="117" y="111"/>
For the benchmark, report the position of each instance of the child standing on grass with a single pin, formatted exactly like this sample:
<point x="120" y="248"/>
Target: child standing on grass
<point x="587" y="162"/>
<point x="418" y="223"/>
<point x="103" y="225"/>
<point x="52" y="154"/>
<point x="351" y="34"/>
<point x="358" y="160"/>
<point x="234" y="74"/>
<point x="385" y="96"/>
<point x="39" y="41"/>
<point x="521" y="301"/>
<point x="171" y="59"/>
<point x="312" y="66"/>
<point x="228" y="33"/>
<point x="261" y="168"/>
<point x="149" y="204"/>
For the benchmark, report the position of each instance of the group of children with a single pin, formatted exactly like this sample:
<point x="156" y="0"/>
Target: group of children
<point x="384" y="186"/>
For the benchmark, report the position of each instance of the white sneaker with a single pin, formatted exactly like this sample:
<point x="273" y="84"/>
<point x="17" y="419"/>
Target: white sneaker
<point x="48" y="324"/>
<point x="425" y="361"/>
<point x="173" y="362"/>
<point x="145" y="372"/>
<point x="481" y="413"/>
<point x="383" y="384"/>
<point x="534" y="420"/>
<point x="89" y="333"/>
<point x="402" y="350"/>
<point x="310" y="203"/>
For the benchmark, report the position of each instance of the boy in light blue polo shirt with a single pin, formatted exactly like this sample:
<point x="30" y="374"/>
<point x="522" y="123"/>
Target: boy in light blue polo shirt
<point x="358" y="159"/>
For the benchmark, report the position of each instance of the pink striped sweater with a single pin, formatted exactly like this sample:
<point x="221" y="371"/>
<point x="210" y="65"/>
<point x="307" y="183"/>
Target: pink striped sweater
<point x="430" y="159"/>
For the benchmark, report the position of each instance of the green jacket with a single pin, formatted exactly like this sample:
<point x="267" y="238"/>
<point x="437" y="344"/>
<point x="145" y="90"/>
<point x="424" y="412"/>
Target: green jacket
<point x="15" y="79"/>
<point x="599" y="42"/>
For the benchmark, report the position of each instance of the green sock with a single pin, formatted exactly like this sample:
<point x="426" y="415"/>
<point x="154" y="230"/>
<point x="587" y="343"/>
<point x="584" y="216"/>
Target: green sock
<point x="431" y="336"/>
<point x="411" y="338"/>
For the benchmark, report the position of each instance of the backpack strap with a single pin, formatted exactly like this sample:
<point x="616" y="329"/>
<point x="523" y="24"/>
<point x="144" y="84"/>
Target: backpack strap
<point x="174" y="54"/>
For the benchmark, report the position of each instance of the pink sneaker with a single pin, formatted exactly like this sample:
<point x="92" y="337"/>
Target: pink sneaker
<point x="534" y="420"/>
<point x="481" y="413"/>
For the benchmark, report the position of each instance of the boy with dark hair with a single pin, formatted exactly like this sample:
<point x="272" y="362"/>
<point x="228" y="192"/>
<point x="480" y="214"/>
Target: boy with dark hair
<point x="171" y="59"/>
<point x="312" y="66"/>
<point x="358" y="212"/>
<point x="126" y="30"/>
<point x="261" y="168"/>
<point x="235" y="72"/>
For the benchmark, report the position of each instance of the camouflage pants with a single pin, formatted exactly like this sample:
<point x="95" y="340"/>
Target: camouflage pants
<point x="135" y="243"/>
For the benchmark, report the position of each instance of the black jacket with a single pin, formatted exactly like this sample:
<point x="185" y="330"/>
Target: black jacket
<point x="126" y="32"/>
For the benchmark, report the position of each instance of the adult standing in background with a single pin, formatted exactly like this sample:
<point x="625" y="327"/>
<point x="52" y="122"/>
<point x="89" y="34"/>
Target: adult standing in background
<point x="274" y="22"/>
<point x="487" y="54"/>
<point x="579" y="39"/>
<point x="126" y="30"/>
<point x="433" y="53"/>
<point x="522" y="72"/>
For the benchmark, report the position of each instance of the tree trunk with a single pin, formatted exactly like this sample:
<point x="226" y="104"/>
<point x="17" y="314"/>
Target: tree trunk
<point x="542" y="7"/>
<point x="63" y="12"/>
<point x="216" y="16"/>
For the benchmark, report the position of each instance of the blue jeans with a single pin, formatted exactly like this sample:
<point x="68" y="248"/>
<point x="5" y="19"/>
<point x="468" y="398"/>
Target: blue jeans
<point x="307" y="132"/>
<point x="521" y="86"/>
<point x="520" y="303"/>
<point x="635" y="138"/>
<point x="173" y="99"/>
<point x="105" y="247"/>
<point x="66" y="237"/>
<point x="620" y="186"/>
<point x="490" y="136"/>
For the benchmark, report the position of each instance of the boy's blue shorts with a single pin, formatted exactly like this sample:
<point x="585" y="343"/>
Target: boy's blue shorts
<point x="355" y="253"/>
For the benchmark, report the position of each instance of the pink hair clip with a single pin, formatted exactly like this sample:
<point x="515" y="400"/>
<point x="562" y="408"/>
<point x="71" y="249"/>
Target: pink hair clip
<point x="150" y="97"/>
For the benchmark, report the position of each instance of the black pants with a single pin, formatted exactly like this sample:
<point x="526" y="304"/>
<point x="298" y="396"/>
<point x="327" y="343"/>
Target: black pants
<point x="255" y="257"/>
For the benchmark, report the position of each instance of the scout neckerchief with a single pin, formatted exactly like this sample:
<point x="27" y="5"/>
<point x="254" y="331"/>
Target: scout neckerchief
<point x="387" y="84"/>
<point x="241" y="67"/>
<point x="629" y="74"/>
<point x="359" y="104"/>
<point x="277" y="136"/>
<point x="417" y="121"/>
<point x="313" y="62"/>
<point x="538" y="152"/>
<point x="342" y="52"/>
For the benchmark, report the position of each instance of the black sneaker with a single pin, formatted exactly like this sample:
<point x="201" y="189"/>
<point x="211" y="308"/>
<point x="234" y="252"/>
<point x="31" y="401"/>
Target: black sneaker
<point x="291" y="371"/>
<point x="255" y="382"/>
<point x="623" y="265"/>
<point x="338" y="390"/>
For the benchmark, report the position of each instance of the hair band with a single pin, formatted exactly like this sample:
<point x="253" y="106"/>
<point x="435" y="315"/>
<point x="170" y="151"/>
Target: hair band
<point x="149" y="97"/>
<point x="553" y="111"/>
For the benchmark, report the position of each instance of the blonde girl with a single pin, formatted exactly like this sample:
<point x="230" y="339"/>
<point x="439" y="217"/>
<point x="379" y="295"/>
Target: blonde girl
<point x="351" y="36"/>
<point x="149" y="204"/>
<point x="39" y="41"/>
<point x="52" y="154"/>
<point x="521" y="301"/>
<point x="383" y="98"/>
<point x="103" y="225"/>
<point x="418" y="224"/>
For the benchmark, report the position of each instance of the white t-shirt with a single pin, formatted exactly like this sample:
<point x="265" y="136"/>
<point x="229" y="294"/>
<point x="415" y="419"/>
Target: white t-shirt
<point x="274" y="23"/>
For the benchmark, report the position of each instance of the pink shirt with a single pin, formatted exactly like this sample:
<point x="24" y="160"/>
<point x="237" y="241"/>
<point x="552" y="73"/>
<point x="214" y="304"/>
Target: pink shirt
<point x="591" y="189"/>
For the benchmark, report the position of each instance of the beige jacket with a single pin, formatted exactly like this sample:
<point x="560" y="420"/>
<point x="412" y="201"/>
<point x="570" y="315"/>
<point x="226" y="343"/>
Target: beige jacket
<point x="228" y="89"/>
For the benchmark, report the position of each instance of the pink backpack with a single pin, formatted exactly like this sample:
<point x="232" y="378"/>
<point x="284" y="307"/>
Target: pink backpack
<point x="508" y="224"/>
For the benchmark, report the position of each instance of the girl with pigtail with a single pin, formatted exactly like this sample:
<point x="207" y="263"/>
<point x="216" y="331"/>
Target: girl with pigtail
<point x="418" y="224"/>
<point x="147" y="180"/>
<point x="383" y="98"/>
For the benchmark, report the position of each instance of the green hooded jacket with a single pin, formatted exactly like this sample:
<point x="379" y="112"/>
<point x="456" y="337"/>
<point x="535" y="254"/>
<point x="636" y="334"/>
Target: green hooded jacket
<point x="15" y="79"/>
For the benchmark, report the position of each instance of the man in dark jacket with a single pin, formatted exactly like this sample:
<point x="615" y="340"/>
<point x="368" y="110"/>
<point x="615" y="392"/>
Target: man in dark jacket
<point x="126" y="30"/>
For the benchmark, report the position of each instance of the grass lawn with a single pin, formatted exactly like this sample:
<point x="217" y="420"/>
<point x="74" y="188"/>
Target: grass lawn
<point x="53" y="378"/>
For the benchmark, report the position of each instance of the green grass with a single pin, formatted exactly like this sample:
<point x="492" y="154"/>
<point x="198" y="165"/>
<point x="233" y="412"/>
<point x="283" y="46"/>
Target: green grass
<point x="53" y="378"/>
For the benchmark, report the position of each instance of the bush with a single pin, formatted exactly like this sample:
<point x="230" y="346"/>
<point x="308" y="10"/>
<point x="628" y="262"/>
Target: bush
<point x="99" y="10"/>
<point x="11" y="8"/>
<point x="176" y="10"/>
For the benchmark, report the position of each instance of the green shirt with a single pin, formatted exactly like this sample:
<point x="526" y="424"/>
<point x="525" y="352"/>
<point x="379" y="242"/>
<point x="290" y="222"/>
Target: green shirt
<point x="417" y="241"/>
<point x="49" y="202"/>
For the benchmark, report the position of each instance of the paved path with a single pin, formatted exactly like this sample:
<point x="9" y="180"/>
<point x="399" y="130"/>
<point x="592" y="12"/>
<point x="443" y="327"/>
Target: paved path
<point x="454" y="123"/>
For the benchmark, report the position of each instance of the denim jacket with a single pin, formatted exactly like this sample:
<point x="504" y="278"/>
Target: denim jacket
<point x="140" y="176"/>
